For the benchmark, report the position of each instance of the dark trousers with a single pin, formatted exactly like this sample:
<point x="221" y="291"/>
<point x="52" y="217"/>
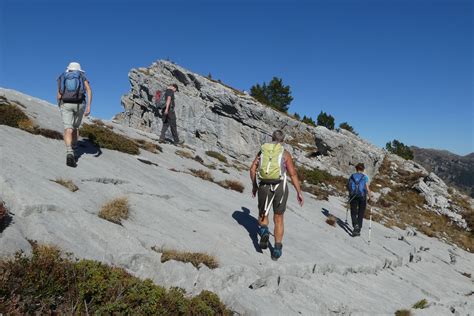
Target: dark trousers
<point x="358" y="205"/>
<point x="169" y="121"/>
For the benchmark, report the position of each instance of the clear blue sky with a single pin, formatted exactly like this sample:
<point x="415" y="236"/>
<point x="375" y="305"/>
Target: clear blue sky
<point x="391" y="68"/>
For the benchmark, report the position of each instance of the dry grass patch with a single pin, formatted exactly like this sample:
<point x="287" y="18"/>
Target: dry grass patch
<point x="184" y="154"/>
<point x="331" y="220"/>
<point x="216" y="155"/>
<point x="403" y="206"/>
<point x="232" y="185"/>
<point x="195" y="258"/>
<point x="317" y="191"/>
<point x="403" y="312"/>
<point x="115" y="210"/>
<point x="13" y="116"/>
<point x="106" y="138"/>
<point x="203" y="174"/>
<point x="68" y="184"/>
<point x="148" y="146"/>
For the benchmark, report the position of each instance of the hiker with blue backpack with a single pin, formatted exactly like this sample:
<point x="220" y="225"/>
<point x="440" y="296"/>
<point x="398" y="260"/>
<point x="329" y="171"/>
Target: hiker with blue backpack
<point x="73" y="87"/>
<point x="271" y="168"/>
<point x="165" y="102"/>
<point x="359" y="194"/>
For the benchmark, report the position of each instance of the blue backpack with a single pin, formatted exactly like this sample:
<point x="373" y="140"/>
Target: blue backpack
<point x="71" y="87"/>
<point x="356" y="185"/>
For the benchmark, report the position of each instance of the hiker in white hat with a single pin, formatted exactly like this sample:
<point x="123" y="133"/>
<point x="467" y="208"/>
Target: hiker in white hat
<point x="73" y="87"/>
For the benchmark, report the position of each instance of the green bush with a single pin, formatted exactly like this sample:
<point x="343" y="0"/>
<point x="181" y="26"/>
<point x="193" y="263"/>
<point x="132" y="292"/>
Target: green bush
<point x="308" y="120"/>
<point x="275" y="94"/>
<point x="49" y="282"/>
<point x="106" y="138"/>
<point x="217" y="156"/>
<point x="398" y="148"/>
<point x="347" y="127"/>
<point x="296" y="116"/>
<point x="313" y="176"/>
<point x="326" y="120"/>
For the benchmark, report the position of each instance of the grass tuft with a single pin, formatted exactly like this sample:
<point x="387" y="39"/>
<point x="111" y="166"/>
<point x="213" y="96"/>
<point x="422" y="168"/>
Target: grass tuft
<point x="203" y="174"/>
<point x="403" y="312"/>
<point x="331" y="220"/>
<point x="195" y="258"/>
<point x="232" y="185"/>
<point x="216" y="155"/>
<point x="68" y="184"/>
<point x="184" y="154"/>
<point x="49" y="282"/>
<point x="421" y="304"/>
<point x="106" y="138"/>
<point x="148" y="146"/>
<point x="115" y="210"/>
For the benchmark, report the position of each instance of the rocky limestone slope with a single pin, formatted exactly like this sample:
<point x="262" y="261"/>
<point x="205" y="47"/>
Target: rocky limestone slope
<point x="323" y="271"/>
<point x="215" y="116"/>
<point x="453" y="169"/>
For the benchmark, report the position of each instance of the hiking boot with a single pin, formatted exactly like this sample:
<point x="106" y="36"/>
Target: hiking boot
<point x="264" y="236"/>
<point x="277" y="251"/>
<point x="70" y="160"/>
<point x="179" y="142"/>
<point x="356" y="231"/>
<point x="162" y="141"/>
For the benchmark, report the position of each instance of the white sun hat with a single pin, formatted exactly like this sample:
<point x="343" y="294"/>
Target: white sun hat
<point x="73" y="66"/>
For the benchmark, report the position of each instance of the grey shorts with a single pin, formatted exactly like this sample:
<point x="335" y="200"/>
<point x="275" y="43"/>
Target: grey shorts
<point x="266" y="192"/>
<point x="72" y="114"/>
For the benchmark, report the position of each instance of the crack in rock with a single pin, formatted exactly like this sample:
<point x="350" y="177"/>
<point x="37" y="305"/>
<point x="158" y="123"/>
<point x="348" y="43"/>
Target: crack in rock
<point x="39" y="208"/>
<point x="106" y="181"/>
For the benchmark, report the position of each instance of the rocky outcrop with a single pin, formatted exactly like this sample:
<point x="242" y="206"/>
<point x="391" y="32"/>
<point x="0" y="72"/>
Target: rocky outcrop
<point x="454" y="169"/>
<point x="218" y="117"/>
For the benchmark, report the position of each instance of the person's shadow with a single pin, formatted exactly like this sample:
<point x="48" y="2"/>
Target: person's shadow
<point x="85" y="146"/>
<point x="250" y="223"/>
<point x="339" y="222"/>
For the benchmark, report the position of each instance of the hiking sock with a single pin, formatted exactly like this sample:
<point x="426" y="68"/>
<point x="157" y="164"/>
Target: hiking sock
<point x="277" y="251"/>
<point x="69" y="150"/>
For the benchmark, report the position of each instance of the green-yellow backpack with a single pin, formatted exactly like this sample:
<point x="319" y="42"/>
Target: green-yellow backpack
<point x="271" y="162"/>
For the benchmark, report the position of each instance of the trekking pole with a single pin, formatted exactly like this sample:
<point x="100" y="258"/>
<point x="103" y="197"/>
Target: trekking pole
<point x="370" y="223"/>
<point x="347" y="208"/>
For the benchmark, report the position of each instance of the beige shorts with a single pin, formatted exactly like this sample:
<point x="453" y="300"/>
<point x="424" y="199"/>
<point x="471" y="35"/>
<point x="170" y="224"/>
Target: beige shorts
<point x="72" y="114"/>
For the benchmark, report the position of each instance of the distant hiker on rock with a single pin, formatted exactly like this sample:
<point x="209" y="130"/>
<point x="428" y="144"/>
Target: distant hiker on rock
<point x="72" y="89"/>
<point x="169" y="115"/>
<point x="271" y="166"/>
<point x="359" y="194"/>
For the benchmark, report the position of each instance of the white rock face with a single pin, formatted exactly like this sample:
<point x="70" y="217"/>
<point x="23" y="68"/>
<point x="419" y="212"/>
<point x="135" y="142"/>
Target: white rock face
<point x="323" y="271"/>
<point x="214" y="116"/>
